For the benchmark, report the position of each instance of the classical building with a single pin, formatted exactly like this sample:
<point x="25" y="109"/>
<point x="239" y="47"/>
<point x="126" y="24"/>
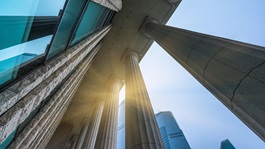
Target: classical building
<point x="172" y="135"/>
<point x="63" y="62"/>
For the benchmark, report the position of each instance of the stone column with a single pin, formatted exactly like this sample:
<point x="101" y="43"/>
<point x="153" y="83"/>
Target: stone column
<point x="232" y="71"/>
<point x="73" y="141"/>
<point x="81" y="137"/>
<point x="107" y="136"/>
<point x="140" y="122"/>
<point x="91" y="135"/>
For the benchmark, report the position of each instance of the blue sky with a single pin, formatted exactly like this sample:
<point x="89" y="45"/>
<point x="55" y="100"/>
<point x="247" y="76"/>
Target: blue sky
<point x="203" y="119"/>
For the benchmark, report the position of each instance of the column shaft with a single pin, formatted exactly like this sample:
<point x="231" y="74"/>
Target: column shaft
<point x="73" y="141"/>
<point x="81" y="136"/>
<point x="140" y="123"/>
<point x="232" y="71"/>
<point x="91" y="135"/>
<point x="107" y="136"/>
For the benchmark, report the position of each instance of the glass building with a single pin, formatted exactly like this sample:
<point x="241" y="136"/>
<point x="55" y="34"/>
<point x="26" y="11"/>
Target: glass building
<point x="172" y="135"/>
<point x="121" y="126"/>
<point x="226" y="144"/>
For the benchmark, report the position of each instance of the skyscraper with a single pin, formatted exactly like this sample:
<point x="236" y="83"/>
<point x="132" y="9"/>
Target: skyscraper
<point x="121" y="126"/>
<point x="63" y="63"/>
<point x="226" y="144"/>
<point x="172" y="135"/>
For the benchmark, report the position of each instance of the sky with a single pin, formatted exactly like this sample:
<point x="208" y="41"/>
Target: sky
<point x="31" y="7"/>
<point x="204" y="120"/>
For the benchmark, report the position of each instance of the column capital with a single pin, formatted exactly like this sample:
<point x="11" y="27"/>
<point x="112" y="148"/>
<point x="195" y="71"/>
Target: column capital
<point x="113" y="79"/>
<point x="85" y="121"/>
<point x="133" y="55"/>
<point x="143" y="26"/>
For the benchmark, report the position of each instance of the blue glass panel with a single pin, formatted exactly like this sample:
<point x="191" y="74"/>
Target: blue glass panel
<point x="8" y="66"/>
<point x="70" y="17"/>
<point x="90" y="21"/>
<point x="26" y="29"/>
<point x="8" y="140"/>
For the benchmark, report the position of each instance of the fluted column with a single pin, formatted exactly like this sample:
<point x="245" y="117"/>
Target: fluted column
<point x="141" y="127"/>
<point x="232" y="71"/>
<point x="107" y="136"/>
<point x="91" y="135"/>
<point x="73" y="141"/>
<point x="81" y="137"/>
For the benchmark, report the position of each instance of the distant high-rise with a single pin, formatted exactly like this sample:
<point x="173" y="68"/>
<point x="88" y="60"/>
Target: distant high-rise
<point x="172" y="135"/>
<point x="226" y="144"/>
<point x="121" y="127"/>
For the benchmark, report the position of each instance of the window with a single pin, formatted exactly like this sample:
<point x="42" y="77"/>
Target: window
<point x="66" y="28"/>
<point x="91" y="21"/>
<point x="26" y="29"/>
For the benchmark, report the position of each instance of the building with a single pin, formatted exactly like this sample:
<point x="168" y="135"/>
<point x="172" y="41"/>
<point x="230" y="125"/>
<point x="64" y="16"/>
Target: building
<point x="171" y="134"/>
<point x="226" y="144"/>
<point x="121" y="127"/>
<point x="62" y="64"/>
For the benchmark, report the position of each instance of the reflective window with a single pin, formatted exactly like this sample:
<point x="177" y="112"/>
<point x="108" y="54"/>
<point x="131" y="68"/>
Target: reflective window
<point x="91" y="21"/>
<point x="26" y="29"/>
<point x="70" y="17"/>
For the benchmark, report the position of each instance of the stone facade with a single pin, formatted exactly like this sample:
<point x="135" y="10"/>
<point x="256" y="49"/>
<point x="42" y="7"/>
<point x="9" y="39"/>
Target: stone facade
<point x="47" y="120"/>
<point x="115" y="5"/>
<point x="24" y="96"/>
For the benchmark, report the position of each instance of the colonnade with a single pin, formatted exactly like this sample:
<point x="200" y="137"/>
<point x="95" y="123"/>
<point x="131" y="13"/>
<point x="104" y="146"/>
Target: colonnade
<point x="230" y="70"/>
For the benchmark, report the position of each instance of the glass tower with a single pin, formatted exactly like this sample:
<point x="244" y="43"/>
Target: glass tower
<point x="121" y="126"/>
<point x="226" y="144"/>
<point x="171" y="134"/>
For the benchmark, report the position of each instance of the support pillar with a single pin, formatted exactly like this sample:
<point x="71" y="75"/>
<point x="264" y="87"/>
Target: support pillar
<point x="81" y="137"/>
<point x="73" y="141"/>
<point x="91" y="135"/>
<point x="140" y="122"/>
<point x="232" y="71"/>
<point x="107" y="136"/>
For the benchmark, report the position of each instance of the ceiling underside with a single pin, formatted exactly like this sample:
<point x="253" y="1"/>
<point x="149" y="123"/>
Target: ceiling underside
<point x="109" y="61"/>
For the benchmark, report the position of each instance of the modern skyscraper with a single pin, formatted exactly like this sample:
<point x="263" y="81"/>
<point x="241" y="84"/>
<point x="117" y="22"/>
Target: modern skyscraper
<point x="121" y="126"/>
<point x="172" y="135"/>
<point x="63" y="62"/>
<point x="226" y="144"/>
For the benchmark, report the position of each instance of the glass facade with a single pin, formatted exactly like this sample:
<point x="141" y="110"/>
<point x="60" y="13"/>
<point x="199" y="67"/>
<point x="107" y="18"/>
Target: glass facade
<point x="171" y="134"/>
<point x="86" y="27"/>
<point x="26" y="29"/>
<point x="121" y="126"/>
<point x="31" y="33"/>
<point x="71" y="15"/>
<point x="226" y="144"/>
